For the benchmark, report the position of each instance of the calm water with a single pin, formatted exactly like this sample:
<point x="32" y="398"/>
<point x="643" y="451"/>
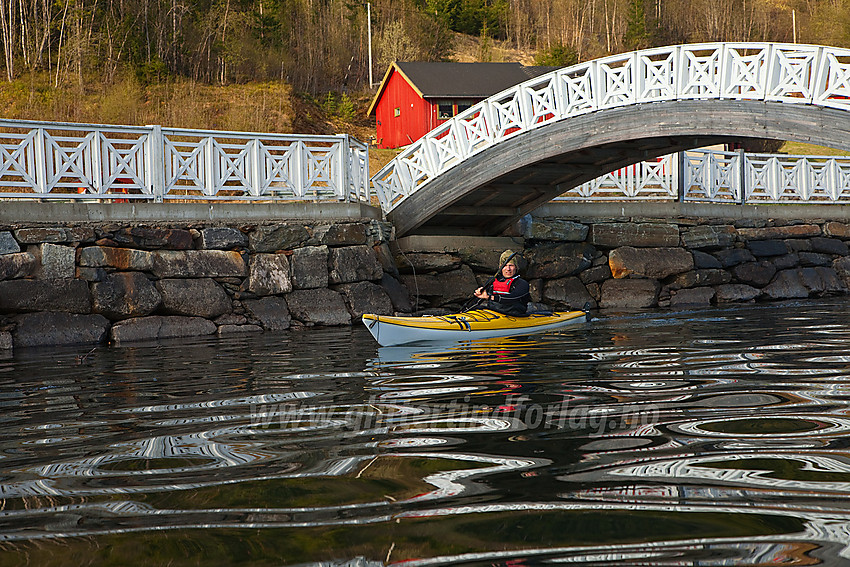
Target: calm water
<point x="710" y="437"/>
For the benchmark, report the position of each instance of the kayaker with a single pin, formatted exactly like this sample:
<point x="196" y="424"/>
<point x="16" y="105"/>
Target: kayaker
<point x="508" y="293"/>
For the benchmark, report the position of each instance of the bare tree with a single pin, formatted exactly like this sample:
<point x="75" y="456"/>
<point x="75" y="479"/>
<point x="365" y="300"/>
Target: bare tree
<point x="7" y="8"/>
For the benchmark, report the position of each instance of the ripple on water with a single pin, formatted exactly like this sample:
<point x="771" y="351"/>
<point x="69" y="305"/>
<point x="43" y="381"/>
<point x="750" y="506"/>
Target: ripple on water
<point x="716" y="436"/>
<point x="766" y="426"/>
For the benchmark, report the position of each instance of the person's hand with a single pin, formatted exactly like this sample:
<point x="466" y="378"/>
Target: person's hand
<point x="481" y="294"/>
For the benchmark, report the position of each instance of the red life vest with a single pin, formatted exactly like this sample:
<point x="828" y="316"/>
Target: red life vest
<point x="503" y="287"/>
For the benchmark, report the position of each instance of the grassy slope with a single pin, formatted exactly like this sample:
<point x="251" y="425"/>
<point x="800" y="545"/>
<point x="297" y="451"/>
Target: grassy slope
<point x="266" y="107"/>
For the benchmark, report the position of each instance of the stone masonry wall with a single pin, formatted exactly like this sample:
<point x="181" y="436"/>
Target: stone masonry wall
<point x="638" y="263"/>
<point x="91" y="282"/>
<point x="97" y="282"/>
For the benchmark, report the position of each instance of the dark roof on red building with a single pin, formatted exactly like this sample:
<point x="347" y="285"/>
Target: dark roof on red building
<point x="466" y="79"/>
<point x="460" y="80"/>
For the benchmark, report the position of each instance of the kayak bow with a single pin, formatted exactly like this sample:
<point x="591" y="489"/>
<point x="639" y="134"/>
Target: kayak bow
<point x="474" y="324"/>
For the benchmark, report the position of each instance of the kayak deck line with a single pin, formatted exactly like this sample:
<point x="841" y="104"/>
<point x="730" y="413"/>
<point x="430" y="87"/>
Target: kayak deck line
<point x="477" y="323"/>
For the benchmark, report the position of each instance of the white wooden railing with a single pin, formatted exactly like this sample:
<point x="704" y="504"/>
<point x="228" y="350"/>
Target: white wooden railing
<point x="790" y="73"/>
<point x="49" y="160"/>
<point x="724" y="177"/>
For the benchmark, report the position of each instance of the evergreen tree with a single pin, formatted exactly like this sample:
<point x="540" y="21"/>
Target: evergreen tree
<point x="637" y="34"/>
<point x="557" y="56"/>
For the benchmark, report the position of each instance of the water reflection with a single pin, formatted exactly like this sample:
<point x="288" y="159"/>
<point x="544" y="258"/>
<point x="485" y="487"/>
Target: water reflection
<point x="707" y="437"/>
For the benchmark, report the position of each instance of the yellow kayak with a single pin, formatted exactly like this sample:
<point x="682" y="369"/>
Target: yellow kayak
<point x="474" y="324"/>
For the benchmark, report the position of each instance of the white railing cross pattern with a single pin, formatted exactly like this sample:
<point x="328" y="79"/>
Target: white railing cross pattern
<point x="85" y="161"/>
<point x="800" y="74"/>
<point x="722" y="177"/>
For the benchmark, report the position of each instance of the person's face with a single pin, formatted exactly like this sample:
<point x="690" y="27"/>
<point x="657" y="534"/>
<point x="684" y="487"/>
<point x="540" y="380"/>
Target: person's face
<point x="509" y="271"/>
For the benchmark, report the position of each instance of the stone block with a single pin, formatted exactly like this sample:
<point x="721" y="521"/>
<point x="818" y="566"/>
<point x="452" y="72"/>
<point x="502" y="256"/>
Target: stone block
<point x="8" y="244"/>
<point x="424" y="262"/>
<point x="70" y="296"/>
<point x="272" y="312"/>
<point x="385" y="258"/>
<point x="57" y="262"/>
<point x="379" y="232"/>
<point x="734" y="256"/>
<point x="798" y="244"/>
<point x="630" y="293"/>
<point x="271" y="238"/>
<point x="735" y="293"/>
<point x="365" y="297"/>
<point x="554" y="229"/>
<point x="197" y="264"/>
<point x="596" y="274"/>
<point x="700" y="278"/>
<point x="786" y="261"/>
<point x="568" y="293"/>
<point x="829" y="246"/>
<point x="757" y="274"/>
<point x="479" y="259"/>
<point x="655" y="263"/>
<point x="123" y="295"/>
<point x="353" y="264"/>
<point x="55" y="235"/>
<point x="231" y="319"/>
<point x="780" y="232"/>
<point x="787" y="285"/>
<point x="238" y="329"/>
<point x="398" y="294"/>
<point x="752" y="223"/>
<point x="648" y="235"/>
<point x="837" y="229"/>
<point x="761" y="248"/>
<point x="692" y="296"/>
<point x="5" y="341"/>
<point x="558" y="260"/>
<point x="842" y="268"/>
<point x="821" y="280"/>
<point x="52" y="328"/>
<point x="535" y="290"/>
<point x="160" y="327"/>
<point x="703" y="260"/>
<point x="318" y="306"/>
<point x="309" y="267"/>
<point x="122" y="259"/>
<point x="20" y="265"/>
<point x="802" y="282"/>
<point x="201" y="297"/>
<point x="709" y="237"/>
<point x="269" y="274"/>
<point x="341" y="234"/>
<point x="814" y="259"/>
<point x="91" y="274"/>
<point x="595" y="291"/>
<point x="447" y="287"/>
<point x="153" y="238"/>
<point x="222" y="238"/>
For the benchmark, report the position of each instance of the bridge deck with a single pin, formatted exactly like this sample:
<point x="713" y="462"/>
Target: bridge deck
<point x="538" y="140"/>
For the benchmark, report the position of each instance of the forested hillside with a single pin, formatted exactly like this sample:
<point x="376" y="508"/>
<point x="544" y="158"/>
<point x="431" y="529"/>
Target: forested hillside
<point x="151" y="60"/>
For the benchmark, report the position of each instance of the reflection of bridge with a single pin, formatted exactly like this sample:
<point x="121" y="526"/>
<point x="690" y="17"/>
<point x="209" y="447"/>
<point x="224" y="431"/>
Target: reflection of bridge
<point x="522" y="147"/>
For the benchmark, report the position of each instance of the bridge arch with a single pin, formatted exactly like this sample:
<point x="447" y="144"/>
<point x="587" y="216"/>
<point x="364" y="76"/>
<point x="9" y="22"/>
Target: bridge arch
<point x="522" y="147"/>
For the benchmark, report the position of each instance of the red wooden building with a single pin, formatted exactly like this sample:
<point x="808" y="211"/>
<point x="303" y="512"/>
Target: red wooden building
<point x="416" y="97"/>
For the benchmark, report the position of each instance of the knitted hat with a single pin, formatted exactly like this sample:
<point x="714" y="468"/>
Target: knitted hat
<point x="516" y="260"/>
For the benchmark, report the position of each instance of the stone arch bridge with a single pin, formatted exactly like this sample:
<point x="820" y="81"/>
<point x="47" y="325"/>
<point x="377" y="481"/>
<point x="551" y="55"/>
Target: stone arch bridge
<point x="504" y="157"/>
